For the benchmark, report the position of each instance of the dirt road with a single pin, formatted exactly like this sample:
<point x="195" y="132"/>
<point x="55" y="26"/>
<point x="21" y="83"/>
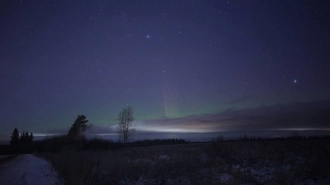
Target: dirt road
<point x="28" y="170"/>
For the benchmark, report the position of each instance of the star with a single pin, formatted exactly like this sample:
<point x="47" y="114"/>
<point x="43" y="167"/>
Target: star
<point x="208" y="66"/>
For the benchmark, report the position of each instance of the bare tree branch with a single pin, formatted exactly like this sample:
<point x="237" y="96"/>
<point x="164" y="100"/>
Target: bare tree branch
<point x="125" y="124"/>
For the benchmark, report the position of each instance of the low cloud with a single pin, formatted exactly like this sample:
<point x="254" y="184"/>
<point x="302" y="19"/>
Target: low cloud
<point x="102" y="130"/>
<point x="311" y="115"/>
<point x="289" y="117"/>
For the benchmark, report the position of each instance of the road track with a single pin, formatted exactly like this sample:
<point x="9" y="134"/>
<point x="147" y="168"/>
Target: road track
<point x="28" y="169"/>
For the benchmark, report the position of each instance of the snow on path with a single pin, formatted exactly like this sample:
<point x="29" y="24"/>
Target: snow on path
<point x="28" y="170"/>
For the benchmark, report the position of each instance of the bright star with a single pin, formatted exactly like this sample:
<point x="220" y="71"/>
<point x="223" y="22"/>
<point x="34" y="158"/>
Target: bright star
<point x="295" y="81"/>
<point x="148" y="36"/>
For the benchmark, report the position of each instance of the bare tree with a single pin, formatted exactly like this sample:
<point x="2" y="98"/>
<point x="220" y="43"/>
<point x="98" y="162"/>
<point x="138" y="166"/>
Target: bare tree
<point x="125" y="124"/>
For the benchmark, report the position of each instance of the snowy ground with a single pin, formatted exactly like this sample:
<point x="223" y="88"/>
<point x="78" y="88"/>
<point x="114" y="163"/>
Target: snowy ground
<point x="28" y="170"/>
<point x="271" y="162"/>
<point x="4" y="156"/>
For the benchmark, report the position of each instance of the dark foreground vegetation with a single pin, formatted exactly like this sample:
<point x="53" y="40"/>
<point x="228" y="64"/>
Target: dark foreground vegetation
<point x="273" y="161"/>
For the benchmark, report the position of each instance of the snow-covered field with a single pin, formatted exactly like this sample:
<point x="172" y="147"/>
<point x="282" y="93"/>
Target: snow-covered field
<point x="28" y="170"/>
<point x="296" y="161"/>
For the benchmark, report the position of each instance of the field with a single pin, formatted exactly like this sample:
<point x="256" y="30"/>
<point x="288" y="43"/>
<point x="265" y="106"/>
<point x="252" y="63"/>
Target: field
<point x="283" y="161"/>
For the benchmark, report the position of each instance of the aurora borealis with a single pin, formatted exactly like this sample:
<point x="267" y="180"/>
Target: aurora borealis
<point x="184" y="66"/>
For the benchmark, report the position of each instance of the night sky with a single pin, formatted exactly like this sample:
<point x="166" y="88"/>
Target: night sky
<point x="186" y="67"/>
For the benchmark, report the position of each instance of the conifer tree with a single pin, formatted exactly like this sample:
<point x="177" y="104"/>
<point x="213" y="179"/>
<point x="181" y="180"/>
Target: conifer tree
<point x="78" y="127"/>
<point x="31" y="138"/>
<point x="14" y="137"/>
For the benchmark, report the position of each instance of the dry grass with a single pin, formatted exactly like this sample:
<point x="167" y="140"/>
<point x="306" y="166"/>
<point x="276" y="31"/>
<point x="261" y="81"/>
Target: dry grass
<point x="241" y="162"/>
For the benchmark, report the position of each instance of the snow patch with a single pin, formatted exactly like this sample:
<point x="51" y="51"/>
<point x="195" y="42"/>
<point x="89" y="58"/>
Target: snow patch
<point x="224" y="178"/>
<point x="164" y="157"/>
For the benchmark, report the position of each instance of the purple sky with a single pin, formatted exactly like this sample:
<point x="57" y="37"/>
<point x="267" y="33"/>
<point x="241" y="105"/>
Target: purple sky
<point x="184" y="66"/>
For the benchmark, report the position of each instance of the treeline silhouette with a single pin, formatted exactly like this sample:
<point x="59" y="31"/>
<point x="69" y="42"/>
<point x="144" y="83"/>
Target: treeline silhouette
<point x="58" y="143"/>
<point x="19" y="143"/>
<point x="156" y="142"/>
<point x="22" y="139"/>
